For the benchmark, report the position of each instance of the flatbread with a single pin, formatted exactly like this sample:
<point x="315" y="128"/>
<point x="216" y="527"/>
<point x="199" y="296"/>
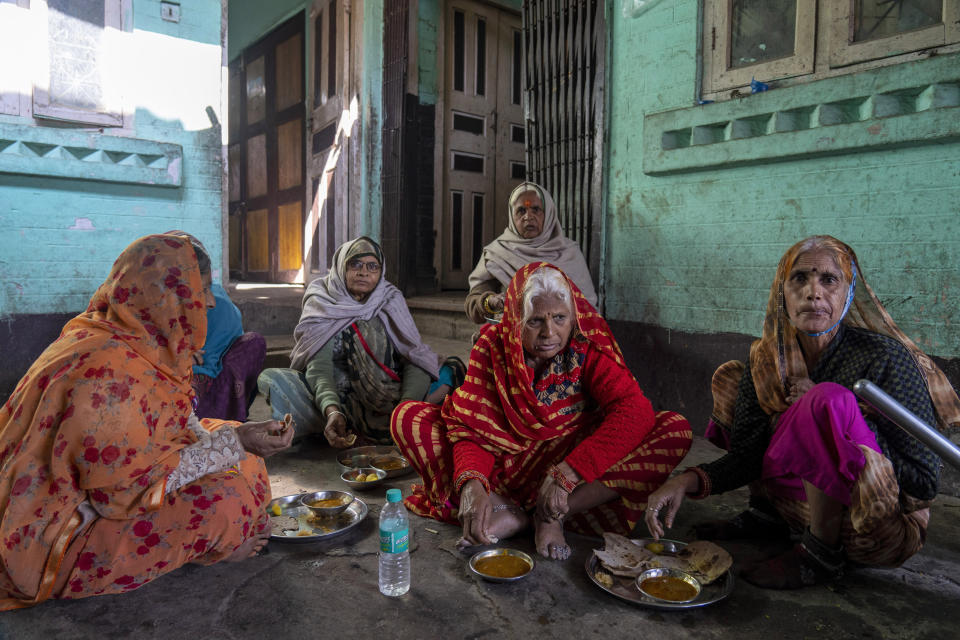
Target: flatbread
<point x="705" y="560"/>
<point x="280" y="524"/>
<point x="622" y="556"/>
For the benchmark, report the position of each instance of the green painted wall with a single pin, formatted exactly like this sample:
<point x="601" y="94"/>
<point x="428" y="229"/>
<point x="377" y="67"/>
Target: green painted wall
<point x="250" y="20"/>
<point x="428" y="65"/>
<point x="696" y="250"/>
<point x="61" y="234"/>
<point x="371" y="117"/>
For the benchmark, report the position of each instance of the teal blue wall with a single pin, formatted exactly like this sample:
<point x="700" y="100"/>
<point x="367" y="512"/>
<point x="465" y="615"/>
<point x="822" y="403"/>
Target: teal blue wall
<point x="428" y="65"/>
<point x="696" y="250"/>
<point x="250" y="20"/>
<point x="61" y="234"/>
<point x="371" y="118"/>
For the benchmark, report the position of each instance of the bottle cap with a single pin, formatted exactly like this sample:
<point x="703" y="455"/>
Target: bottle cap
<point x="394" y="495"/>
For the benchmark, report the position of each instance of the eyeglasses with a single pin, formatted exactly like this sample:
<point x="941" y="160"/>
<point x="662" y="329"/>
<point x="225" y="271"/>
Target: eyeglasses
<point x="358" y="265"/>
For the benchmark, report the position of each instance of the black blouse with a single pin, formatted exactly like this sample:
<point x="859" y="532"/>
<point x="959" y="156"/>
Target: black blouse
<point x="853" y="354"/>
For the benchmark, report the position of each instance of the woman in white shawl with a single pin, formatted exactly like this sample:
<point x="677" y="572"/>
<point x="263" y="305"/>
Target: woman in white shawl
<point x="532" y="235"/>
<point x="357" y="354"/>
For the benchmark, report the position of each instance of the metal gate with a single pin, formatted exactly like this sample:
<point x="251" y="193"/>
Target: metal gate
<point x="565" y="53"/>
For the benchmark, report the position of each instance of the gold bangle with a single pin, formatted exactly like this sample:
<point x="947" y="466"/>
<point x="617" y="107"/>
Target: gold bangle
<point x="486" y="304"/>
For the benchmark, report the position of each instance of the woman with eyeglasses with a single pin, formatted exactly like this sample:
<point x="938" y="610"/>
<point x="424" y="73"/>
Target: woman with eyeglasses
<point x="357" y="355"/>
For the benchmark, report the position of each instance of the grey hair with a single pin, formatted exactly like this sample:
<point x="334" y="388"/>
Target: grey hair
<point x="545" y="281"/>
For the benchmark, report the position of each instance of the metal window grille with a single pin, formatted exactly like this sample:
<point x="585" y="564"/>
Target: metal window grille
<point x="565" y="57"/>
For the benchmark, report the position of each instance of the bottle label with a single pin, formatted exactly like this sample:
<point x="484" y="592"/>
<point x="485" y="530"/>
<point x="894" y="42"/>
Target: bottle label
<point x="394" y="541"/>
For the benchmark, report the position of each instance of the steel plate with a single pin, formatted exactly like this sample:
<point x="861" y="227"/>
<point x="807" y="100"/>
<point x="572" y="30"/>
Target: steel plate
<point x="312" y="529"/>
<point x="626" y="588"/>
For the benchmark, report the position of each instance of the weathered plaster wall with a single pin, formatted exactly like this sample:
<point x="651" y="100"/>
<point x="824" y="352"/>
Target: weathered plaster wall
<point x="62" y="234"/>
<point x="429" y="15"/>
<point x="695" y="251"/>
<point x="62" y="229"/>
<point x="371" y="117"/>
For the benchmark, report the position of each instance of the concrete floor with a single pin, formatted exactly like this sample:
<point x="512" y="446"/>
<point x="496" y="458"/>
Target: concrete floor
<point x="329" y="589"/>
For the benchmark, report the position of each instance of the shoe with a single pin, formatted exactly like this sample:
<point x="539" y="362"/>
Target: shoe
<point x="809" y="563"/>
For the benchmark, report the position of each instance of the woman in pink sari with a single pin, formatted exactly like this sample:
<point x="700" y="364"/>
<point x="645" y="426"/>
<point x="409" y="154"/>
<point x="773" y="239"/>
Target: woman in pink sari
<point x="855" y="484"/>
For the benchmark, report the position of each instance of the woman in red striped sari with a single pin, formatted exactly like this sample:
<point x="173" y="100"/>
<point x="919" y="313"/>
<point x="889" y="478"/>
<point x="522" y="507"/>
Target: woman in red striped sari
<point x="550" y="426"/>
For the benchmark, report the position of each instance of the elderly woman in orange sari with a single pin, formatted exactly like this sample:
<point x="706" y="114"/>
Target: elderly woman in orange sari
<point x="550" y="427"/>
<point x="852" y="484"/>
<point x="107" y="478"/>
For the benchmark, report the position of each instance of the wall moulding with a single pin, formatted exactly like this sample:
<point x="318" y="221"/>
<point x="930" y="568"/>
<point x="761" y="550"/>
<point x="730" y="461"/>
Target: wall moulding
<point x="903" y="105"/>
<point x="62" y="153"/>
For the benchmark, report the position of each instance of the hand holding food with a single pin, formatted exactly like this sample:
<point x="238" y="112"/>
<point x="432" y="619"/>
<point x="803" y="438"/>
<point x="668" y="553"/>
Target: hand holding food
<point x="336" y="429"/>
<point x="264" y="438"/>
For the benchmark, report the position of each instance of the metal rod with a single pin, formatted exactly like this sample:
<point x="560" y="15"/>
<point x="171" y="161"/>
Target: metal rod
<point x="908" y="421"/>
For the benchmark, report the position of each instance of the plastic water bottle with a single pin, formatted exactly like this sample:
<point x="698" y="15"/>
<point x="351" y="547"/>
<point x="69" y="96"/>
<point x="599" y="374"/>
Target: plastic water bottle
<point x="394" y="546"/>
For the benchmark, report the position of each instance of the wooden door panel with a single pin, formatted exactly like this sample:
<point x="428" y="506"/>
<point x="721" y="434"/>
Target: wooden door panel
<point x="257" y="166"/>
<point x="290" y="236"/>
<point x="233" y="163"/>
<point x="478" y="108"/>
<point x="258" y="254"/>
<point x="266" y="178"/>
<point x="235" y="241"/>
<point x="290" y="154"/>
<point x="289" y="72"/>
<point x="327" y="171"/>
<point x="256" y="91"/>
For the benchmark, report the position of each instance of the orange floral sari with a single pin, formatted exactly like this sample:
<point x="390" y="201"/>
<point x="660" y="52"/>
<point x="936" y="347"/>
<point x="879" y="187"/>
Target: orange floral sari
<point x="97" y="422"/>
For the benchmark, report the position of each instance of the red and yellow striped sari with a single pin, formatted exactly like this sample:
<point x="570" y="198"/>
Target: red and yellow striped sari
<point x="586" y="409"/>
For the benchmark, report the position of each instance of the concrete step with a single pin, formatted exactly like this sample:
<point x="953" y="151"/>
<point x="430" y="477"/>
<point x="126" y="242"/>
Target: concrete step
<point x="442" y="315"/>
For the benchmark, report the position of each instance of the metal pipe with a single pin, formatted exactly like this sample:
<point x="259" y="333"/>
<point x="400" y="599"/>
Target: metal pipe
<point x="908" y="421"/>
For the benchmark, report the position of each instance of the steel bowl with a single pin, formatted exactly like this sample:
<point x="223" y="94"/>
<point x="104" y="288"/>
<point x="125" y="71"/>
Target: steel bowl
<point x="346" y="499"/>
<point x="490" y="553"/>
<point x="368" y="456"/>
<point x="670" y="573"/>
<point x="350" y="477"/>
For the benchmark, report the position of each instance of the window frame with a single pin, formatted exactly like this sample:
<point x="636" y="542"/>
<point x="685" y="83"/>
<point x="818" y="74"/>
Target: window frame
<point x="822" y="47"/>
<point x="717" y="43"/>
<point x="117" y="16"/>
<point x="843" y="51"/>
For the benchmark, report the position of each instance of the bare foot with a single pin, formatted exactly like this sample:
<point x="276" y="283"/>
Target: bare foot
<point x="549" y="539"/>
<point x="249" y="548"/>
<point x="508" y="519"/>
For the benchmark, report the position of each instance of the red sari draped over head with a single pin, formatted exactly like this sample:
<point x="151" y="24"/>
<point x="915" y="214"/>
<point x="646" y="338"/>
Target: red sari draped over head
<point x="98" y="419"/>
<point x="585" y="408"/>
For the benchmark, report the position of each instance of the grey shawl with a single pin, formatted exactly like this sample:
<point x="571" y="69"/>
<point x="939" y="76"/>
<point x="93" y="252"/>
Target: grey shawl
<point x="328" y="308"/>
<point x="510" y="251"/>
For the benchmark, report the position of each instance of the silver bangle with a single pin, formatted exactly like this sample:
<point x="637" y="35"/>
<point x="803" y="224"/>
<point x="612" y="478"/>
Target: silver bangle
<point x="507" y="507"/>
<point x="336" y="412"/>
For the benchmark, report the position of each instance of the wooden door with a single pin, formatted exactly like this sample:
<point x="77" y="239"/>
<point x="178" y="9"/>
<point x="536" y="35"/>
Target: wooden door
<point x="484" y="132"/>
<point x="333" y="123"/>
<point x="266" y="157"/>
